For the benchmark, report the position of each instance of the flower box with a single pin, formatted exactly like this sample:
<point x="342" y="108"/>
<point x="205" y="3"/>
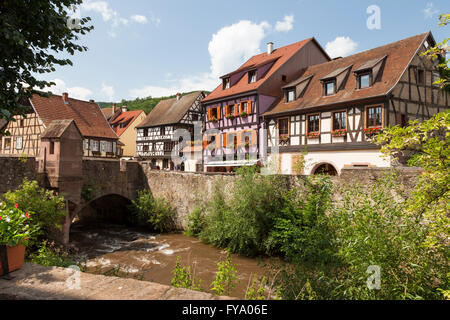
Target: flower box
<point x="284" y="138"/>
<point x="372" y="131"/>
<point x="339" y="133"/>
<point x="230" y="117"/>
<point x="213" y="119"/>
<point x="16" y="258"/>
<point x="313" y="135"/>
<point x="243" y="114"/>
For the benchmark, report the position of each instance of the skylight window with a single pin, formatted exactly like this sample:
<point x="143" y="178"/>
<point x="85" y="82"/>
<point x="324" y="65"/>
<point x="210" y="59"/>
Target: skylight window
<point x="252" y="76"/>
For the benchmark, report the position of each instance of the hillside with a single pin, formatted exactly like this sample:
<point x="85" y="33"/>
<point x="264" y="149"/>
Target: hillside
<point x="146" y="104"/>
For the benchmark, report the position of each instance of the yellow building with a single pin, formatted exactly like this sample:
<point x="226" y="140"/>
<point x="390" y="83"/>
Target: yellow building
<point x="124" y="123"/>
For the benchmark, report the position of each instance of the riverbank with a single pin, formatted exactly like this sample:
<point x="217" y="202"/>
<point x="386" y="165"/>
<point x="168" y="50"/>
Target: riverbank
<point x="35" y="282"/>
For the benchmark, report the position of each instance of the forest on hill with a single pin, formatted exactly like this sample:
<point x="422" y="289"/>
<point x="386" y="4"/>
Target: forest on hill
<point x="146" y="104"/>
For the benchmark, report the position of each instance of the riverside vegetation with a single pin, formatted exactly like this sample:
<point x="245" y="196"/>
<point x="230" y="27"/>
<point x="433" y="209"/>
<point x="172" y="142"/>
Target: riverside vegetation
<point x="330" y="235"/>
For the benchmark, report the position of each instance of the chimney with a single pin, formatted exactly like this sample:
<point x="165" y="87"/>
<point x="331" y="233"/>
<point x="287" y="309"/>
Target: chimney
<point x="269" y="48"/>
<point x="113" y="108"/>
<point x="65" y="97"/>
<point x="178" y="96"/>
<point x="124" y="109"/>
<point x="92" y="101"/>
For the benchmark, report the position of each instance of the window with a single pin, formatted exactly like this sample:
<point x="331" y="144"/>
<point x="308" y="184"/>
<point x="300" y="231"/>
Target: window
<point x="226" y="83"/>
<point x="243" y="107"/>
<point x="146" y="132"/>
<point x="329" y="87"/>
<point x="168" y="146"/>
<point x="114" y="147"/>
<point x="52" y="147"/>
<point x="213" y="113"/>
<point x="229" y="110"/>
<point x="290" y="96"/>
<point x="283" y="127"/>
<point x="145" y="148"/>
<point x="85" y="144"/>
<point x="95" y="146"/>
<point x="108" y="146"/>
<point x="21" y="123"/>
<point x="313" y="123"/>
<point x="194" y="117"/>
<point x="374" y="117"/>
<point x="252" y="76"/>
<point x="163" y="131"/>
<point x="364" y="80"/>
<point x="420" y="76"/>
<point x="7" y="143"/>
<point x="19" y="143"/>
<point x="340" y="120"/>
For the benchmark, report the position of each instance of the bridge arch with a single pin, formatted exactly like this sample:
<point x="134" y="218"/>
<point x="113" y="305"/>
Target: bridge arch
<point x="112" y="207"/>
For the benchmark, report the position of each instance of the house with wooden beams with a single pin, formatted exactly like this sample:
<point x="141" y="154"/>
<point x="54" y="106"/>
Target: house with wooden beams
<point x="99" y="140"/>
<point x="155" y="135"/>
<point x="233" y="110"/>
<point x="124" y="123"/>
<point x="333" y="110"/>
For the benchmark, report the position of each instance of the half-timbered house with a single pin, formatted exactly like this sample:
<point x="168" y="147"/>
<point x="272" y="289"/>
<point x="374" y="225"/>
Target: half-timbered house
<point x="332" y="110"/>
<point x="155" y="135"/>
<point x="99" y="140"/>
<point x="233" y="110"/>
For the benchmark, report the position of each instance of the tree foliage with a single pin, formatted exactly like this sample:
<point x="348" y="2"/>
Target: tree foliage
<point x="32" y="33"/>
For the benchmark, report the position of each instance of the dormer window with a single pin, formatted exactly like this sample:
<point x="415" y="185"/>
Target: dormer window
<point x="364" y="80"/>
<point x="330" y="87"/>
<point x="226" y="83"/>
<point x="290" y="95"/>
<point x="252" y="76"/>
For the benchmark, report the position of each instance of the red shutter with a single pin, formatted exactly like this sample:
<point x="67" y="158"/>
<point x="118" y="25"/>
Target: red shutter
<point x="249" y="106"/>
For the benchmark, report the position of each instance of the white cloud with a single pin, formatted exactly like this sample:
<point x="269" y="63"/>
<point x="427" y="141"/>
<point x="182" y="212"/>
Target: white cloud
<point x="108" y="92"/>
<point x="286" y="25"/>
<point x="229" y="48"/>
<point x="340" y="47"/>
<point x="233" y="45"/>
<point x="139" y="19"/>
<point x="430" y="10"/>
<point x="74" y="92"/>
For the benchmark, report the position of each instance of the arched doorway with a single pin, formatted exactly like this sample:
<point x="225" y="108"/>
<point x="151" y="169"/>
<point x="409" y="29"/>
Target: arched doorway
<point x="326" y="168"/>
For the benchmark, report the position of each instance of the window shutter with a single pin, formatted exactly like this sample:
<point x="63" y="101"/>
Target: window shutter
<point x="254" y="141"/>
<point x="236" y="111"/>
<point x="224" y="139"/>
<point x="249" y="106"/>
<point x="209" y="114"/>
<point x="218" y="113"/>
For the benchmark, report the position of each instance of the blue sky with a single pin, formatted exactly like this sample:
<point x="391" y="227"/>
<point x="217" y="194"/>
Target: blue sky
<point x="143" y="48"/>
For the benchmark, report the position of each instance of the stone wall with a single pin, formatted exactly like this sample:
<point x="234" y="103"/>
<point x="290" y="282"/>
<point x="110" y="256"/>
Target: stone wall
<point x="14" y="169"/>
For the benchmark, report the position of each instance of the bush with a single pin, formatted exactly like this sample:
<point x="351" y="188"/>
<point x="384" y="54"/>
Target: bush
<point x="154" y="213"/>
<point x="49" y="209"/>
<point x="50" y="255"/>
<point x="226" y="278"/>
<point x="196" y="222"/>
<point x="243" y="223"/>
<point x="183" y="278"/>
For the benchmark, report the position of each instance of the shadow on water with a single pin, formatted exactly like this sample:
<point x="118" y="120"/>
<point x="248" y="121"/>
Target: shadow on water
<point x="147" y="256"/>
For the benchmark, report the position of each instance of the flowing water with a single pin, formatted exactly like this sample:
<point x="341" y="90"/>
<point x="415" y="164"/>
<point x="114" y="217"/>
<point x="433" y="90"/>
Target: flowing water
<point x="151" y="257"/>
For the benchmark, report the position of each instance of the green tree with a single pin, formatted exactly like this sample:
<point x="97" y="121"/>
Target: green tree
<point x="31" y="34"/>
<point x="427" y="145"/>
<point x="439" y="52"/>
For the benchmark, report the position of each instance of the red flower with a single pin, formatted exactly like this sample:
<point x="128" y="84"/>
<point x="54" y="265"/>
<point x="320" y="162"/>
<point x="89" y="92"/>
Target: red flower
<point x="27" y="215"/>
<point x="0" y="218"/>
<point x="17" y="206"/>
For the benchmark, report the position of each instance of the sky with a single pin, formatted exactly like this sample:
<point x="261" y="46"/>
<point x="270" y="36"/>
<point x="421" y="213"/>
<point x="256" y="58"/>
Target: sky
<point x="142" y="48"/>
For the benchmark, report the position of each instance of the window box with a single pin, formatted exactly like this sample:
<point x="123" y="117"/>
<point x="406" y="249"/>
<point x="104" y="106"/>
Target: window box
<point x="213" y="119"/>
<point x="313" y="135"/>
<point x="230" y="117"/>
<point x="339" y="133"/>
<point x="284" y="138"/>
<point x="243" y="114"/>
<point x="372" y="131"/>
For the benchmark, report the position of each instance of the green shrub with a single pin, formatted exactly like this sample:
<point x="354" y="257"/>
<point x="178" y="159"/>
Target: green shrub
<point x="50" y="255"/>
<point x="154" y="213"/>
<point x="196" y="222"/>
<point x="183" y="278"/>
<point x="226" y="278"/>
<point x="257" y="289"/>
<point x="49" y="209"/>
<point x="243" y="222"/>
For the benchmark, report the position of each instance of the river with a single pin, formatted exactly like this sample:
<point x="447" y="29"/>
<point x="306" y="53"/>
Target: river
<point x="152" y="257"/>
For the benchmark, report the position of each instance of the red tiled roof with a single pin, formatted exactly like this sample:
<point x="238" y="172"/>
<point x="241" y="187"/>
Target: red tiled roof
<point x="397" y="56"/>
<point x="87" y="115"/>
<point x="127" y="117"/>
<point x="280" y="56"/>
